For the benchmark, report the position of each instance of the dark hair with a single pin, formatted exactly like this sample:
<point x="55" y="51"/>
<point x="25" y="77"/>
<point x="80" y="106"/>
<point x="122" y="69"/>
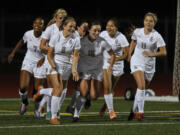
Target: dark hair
<point x="94" y="22"/>
<point x="80" y="22"/>
<point x="130" y="31"/>
<point x="38" y="18"/>
<point x="115" y="20"/>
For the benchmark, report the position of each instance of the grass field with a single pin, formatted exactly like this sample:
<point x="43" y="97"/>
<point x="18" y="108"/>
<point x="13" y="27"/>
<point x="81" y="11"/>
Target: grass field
<point x="161" y="118"/>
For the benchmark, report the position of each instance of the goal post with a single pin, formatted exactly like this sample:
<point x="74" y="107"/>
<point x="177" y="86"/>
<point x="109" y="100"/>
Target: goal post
<point x="176" y="70"/>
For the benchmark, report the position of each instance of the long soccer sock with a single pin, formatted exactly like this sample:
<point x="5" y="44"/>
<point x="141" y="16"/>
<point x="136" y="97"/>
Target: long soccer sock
<point x="43" y="102"/>
<point x="79" y="104"/>
<point x="63" y="96"/>
<point x="46" y="91"/>
<point x="48" y="103"/>
<point x="75" y="94"/>
<point x="24" y="97"/>
<point x="109" y="101"/>
<point x="139" y="101"/>
<point x="54" y="106"/>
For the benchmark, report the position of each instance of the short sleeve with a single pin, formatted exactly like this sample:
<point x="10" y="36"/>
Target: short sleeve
<point x="106" y="46"/>
<point x="25" y="37"/>
<point x="160" y="41"/>
<point x="77" y="44"/>
<point x="47" y="33"/>
<point x="134" y="36"/>
<point x="124" y="42"/>
<point x="54" y="39"/>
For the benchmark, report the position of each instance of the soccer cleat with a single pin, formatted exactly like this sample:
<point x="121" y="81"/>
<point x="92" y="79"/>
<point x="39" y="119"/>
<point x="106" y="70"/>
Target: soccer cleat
<point x="103" y="110"/>
<point x="140" y="117"/>
<point x="48" y="115"/>
<point x="112" y="115"/>
<point x="37" y="95"/>
<point x="131" y="116"/>
<point x="55" y="121"/>
<point x="23" y="109"/>
<point x="75" y="119"/>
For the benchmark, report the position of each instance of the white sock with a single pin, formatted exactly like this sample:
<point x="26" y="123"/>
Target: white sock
<point x="139" y="101"/>
<point x="75" y="94"/>
<point x="46" y="91"/>
<point x="54" y="106"/>
<point x="109" y="101"/>
<point x="42" y="103"/>
<point x="48" y="103"/>
<point x="63" y="96"/>
<point x="23" y="95"/>
<point x="79" y="104"/>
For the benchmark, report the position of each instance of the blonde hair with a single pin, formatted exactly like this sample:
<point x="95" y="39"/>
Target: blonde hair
<point x="56" y="13"/>
<point x="154" y="16"/>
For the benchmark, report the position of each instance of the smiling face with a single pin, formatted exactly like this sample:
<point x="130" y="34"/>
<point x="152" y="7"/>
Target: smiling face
<point x="69" y="28"/>
<point x="149" y="23"/>
<point x="82" y="29"/>
<point x="94" y="31"/>
<point x="150" y="20"/>
<point x="60" y="17"/>
<point x="38" y="25"/>
<point x="111" y="28"/>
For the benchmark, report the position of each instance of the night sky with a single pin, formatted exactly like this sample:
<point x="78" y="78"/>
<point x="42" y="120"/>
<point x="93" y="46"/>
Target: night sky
<point x="18" y="19"/>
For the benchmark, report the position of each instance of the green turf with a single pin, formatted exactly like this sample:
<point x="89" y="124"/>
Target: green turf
<point x="155" y="123"/>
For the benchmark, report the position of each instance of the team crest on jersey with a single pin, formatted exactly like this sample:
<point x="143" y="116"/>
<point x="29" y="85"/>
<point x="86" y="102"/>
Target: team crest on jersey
<point x="70" y="43"/>
<point x="151" y="39"/>
<point x="116" y="41"/>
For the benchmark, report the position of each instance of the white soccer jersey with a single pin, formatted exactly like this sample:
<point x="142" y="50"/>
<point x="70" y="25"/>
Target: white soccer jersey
<point x="91" y="54"/>
<point x="50" y="31"/>
<point x="76" y="34"/>
<point x="33" y="46"/>
<point x="117" y="43"/>
<point x="150" y="43"/>
<point x="64" y="47"/>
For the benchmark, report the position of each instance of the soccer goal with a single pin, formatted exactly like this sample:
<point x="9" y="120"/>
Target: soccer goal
<point x="176" y="71"/>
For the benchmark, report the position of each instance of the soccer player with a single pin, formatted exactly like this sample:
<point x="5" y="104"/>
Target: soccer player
<point x="119" y="46"/>
<point x="61" y="47"/>
<point x="90" y="65"/>
<point x="32" y="38"/>
<point x="82" y="27"/>
<point x="148" y="44"/>
<point x="53" y="27"/>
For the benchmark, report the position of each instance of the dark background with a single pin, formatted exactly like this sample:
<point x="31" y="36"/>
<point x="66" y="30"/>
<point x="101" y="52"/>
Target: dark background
<point x="16" y="20"/>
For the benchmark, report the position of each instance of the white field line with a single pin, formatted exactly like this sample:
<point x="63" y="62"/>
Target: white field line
<point x="13" y="113"/>
<point x="153" y="98"/>
<point x="85" y="125"/>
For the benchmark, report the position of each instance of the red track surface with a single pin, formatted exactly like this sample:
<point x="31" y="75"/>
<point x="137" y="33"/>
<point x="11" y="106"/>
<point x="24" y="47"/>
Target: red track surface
<point x="162" y="85"/>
